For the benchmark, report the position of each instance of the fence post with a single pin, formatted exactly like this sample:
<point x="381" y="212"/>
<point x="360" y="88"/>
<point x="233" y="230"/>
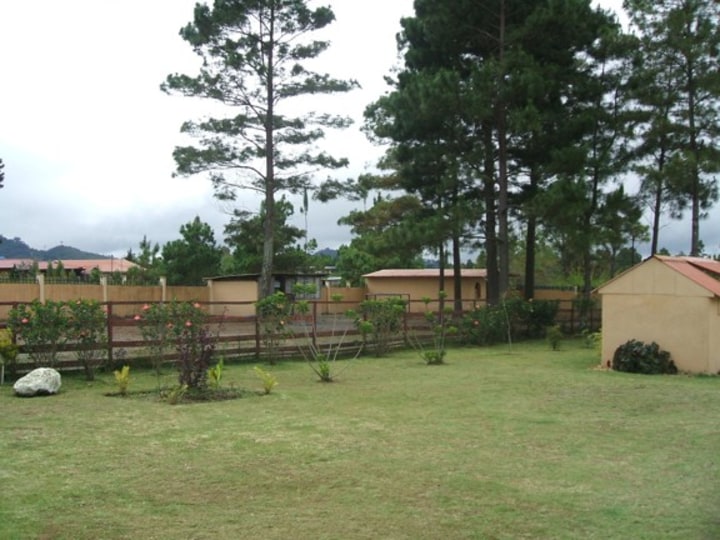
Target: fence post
<point x="104" y="285"/>
<point x="257" y="334"/>
<point x="41" y="286"/>
<point x="314" y="324"/>
<point x="108" y="319"/>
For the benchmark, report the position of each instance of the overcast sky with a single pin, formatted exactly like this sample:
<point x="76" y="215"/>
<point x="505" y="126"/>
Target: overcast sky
<point x="87" y="136"/>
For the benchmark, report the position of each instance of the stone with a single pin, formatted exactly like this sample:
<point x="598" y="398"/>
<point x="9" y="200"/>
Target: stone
<point x="39" y="382"/>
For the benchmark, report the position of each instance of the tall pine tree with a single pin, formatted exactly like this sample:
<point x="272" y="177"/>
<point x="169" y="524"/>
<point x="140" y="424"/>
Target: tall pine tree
<point x="253" y="54"/>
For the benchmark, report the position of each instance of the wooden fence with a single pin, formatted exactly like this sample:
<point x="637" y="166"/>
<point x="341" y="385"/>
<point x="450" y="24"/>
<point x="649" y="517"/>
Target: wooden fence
<point x="239" y="338"/>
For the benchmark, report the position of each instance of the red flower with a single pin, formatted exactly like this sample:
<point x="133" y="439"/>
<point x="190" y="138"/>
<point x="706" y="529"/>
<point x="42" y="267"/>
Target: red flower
<point x="137" y="317"/>
<point x="188" y="324"/>
<point x="25" y="320"/>
<point x="146" y="307"/>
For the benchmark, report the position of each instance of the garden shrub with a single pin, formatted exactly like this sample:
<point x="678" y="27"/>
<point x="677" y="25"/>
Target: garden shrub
<point x="87" y="328"/>
<point x="442" y="325"/>
<point x="383" y="319"/>
<point x="638" y="357"/>
<point x="273" y="313"/>
<point x="485" y="326"/>
<point x="554" y="335"/>
<point x="42" y="327"/>
<point x="514" y="318"/>
<point x="195" y="348"/>
<point x="8" y="351"/>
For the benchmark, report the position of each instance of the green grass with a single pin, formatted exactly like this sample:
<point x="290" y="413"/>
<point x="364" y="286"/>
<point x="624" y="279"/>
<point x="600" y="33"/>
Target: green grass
<point x="527" y="443"/>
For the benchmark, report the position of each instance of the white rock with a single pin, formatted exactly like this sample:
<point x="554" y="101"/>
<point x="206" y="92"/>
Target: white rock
<point x="38" y="382"/>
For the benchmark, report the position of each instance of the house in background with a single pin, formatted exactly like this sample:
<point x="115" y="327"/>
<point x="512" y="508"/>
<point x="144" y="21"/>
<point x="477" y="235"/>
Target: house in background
<point x="81" y="267"/>
<point x="415" y="284"/>
<point x="673" y="301"/>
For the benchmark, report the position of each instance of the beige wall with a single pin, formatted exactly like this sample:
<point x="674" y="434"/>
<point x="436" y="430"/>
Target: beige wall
<point x="351" y="298"/>
<point x="655" y="303"/>
<point x="134" y="295"/>
<point x="233" y="291"/>
<point x="415" y="289"/>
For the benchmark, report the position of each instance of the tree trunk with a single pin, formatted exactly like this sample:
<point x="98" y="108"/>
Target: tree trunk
<point x="694" y="169"/>
<point x="457" y="277"/>
<point x="266" y="272"/>
<point x="493" y="290"/>
<point x="530" y="240"/>
<point x="502" y="206"/>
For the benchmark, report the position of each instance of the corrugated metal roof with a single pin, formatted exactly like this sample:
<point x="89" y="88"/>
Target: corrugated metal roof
<point x="704" y="272"/>
<point x="425" y="273"/>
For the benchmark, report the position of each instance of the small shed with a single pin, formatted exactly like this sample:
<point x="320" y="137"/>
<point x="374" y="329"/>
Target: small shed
<point x="673" y="301"/>
<point x="244" y="288"/>
<point x="416" y="284"/>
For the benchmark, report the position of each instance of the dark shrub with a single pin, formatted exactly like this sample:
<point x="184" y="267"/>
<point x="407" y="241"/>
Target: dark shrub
<point x="638" y="357"/>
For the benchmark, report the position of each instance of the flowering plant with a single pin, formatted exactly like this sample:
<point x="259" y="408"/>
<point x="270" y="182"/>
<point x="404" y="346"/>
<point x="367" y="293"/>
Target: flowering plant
<point x="87" y="327"/>
<point x="42" y="329"/>
<point x="178" y="324"/>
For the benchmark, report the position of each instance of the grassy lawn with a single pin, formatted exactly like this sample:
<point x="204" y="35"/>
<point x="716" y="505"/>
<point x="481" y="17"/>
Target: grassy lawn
<point x="498" y="443"/>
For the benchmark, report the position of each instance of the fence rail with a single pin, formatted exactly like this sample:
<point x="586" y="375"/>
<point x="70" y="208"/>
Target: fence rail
<point x="239" y="338"/>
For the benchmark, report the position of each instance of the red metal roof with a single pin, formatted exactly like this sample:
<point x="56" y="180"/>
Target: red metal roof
<point x="704" y="272"/>
<point x="425" y="273"/>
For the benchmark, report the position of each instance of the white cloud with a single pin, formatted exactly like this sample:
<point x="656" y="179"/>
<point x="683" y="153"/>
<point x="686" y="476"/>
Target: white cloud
<point x="87" y="136"/>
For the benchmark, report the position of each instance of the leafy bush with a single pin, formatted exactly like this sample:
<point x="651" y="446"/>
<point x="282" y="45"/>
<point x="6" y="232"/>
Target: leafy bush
<point x="166" y="324"/>
<point x="535" y="316"/>
<point x="485" y="326"/>
<point x="182" y="325"/>
<point x="8" y="351"/>
<point x="273" y="312"/>
<point x="42" y="329"/>
<point x="195" y="349"/>
<point x="87" y="327"/>
<point x="442" y="326"/>
<point x="554" y="335"/>
<point x="383" y="319"/>
<point x="514" y="318"/>
<point x="638" y="357"/>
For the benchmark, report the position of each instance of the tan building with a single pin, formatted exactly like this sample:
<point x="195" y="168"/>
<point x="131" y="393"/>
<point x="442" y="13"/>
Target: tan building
<point x="673" y="301"/>
<point x="416" y="284"/>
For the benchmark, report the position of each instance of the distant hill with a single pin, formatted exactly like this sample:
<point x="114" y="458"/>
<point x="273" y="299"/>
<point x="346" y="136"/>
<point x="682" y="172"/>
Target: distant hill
<point x="328" y="252"/>
<point x="15" y="248"/>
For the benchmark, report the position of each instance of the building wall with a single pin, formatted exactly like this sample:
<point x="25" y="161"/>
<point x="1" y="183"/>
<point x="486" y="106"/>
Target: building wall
<point x="415" y="289"/>
<point x="350" y="298"/>
<point x="679" y="325"/>
<point x="652" y="302"/>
